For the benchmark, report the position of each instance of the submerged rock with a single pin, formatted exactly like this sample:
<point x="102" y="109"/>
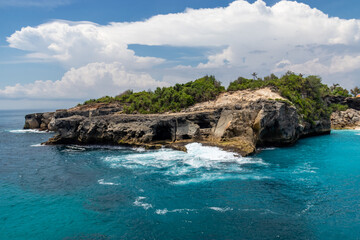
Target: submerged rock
<point x="239" y="121"/>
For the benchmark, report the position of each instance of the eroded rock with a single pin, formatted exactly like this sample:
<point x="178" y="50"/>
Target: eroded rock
<point x="349" y="119"/>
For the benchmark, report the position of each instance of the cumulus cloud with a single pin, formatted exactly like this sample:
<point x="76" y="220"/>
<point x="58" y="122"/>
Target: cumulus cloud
<point x="337" y="64"/>
<point x="253" y="38"/>
<point x="76" y="44"/>
<point x="90" y="81"/>
<point x="243" y="26"/>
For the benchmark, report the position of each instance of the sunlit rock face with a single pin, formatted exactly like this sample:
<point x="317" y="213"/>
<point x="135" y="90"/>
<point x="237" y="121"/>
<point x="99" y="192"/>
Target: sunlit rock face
<point x="349" y="119"/>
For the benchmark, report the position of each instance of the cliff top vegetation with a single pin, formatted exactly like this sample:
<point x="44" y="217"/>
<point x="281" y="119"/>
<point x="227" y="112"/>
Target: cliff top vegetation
<point x="166" y="99"/>
<point x="306" y="93"/>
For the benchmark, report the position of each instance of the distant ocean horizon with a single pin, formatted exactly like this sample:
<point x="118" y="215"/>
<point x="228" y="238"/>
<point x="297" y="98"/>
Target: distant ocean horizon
<point x="307" y="191"/>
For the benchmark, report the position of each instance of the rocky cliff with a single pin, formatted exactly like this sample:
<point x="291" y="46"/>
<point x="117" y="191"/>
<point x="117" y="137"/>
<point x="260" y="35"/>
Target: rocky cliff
<point x="239" y="121"/>
<point x="349" y="119"/>
<point x="351" y="102"/>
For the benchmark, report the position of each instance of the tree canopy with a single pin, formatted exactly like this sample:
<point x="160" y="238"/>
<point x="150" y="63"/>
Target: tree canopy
<point x="306" y="93"/>
<point x="166" y="99"/>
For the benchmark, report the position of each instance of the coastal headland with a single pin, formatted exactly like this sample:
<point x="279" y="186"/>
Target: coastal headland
<point x="237" y="120"/>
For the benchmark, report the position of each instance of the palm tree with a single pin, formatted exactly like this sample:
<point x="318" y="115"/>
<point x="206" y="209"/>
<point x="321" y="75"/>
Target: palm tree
<point x="254" y="74"/>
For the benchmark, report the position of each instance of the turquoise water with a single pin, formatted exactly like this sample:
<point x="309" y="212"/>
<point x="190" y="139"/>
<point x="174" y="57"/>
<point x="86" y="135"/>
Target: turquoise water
<point x="308" y="191"/>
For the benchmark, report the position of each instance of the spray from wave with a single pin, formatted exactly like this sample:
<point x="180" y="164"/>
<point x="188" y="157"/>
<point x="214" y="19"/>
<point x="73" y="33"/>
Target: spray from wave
<point x="199" y="164"/>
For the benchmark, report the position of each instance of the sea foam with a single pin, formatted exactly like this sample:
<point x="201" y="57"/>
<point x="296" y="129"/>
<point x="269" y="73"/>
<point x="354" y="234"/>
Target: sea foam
<point x="165" y="211"/>
<point x="37" y="145"/>
<point x="139" y="203"/>
<point x="103" y="182"/>
<point x="209" y="177"/>
<point x="218" y="209"/>
<point x="28" y="131"/>
<point x="199" y="164"/>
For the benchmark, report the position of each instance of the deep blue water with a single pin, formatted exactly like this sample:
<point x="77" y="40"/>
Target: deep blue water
<point x="308" y="191"/>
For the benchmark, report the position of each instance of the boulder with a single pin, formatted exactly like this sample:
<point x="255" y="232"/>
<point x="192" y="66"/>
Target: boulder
<point x="349" y="119"/>
<point x="38" y="121"/>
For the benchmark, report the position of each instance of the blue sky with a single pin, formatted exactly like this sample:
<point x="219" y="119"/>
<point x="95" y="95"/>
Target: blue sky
<point x="70" y="44"/>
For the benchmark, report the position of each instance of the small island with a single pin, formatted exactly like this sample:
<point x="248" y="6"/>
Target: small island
<point x="249" y="114"/>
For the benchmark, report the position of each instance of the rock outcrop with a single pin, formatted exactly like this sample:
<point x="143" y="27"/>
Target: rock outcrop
<point x="239" y="121"/>
<point x="39" y="121"/>
<point x="349" y="119"/>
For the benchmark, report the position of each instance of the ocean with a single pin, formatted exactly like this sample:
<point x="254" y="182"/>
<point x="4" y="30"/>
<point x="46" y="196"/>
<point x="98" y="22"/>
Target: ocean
<point x="307" y="191"/>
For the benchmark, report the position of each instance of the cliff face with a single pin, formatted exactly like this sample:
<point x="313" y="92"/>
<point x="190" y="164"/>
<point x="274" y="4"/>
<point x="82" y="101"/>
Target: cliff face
<point x="238" y="121"/>
<point x="349" y="119"/>
<point x="351" y="102"/>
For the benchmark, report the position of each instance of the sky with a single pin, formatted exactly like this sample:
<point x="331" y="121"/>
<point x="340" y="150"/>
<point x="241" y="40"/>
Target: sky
<point x="57" y="53"/>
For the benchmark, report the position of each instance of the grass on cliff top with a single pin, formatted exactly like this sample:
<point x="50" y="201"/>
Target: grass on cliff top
<point x="306" y="93"/>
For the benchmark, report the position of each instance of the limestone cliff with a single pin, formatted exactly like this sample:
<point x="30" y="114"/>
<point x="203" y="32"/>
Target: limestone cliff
<point x="349" y="119"/>
<point x="239" y="121"/>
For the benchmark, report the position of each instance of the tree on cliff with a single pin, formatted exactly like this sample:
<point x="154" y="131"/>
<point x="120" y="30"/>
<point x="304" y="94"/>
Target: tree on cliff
<point x="337" y="90"/>
<point x="355" y="91"/>
<point x="166" y="99"/>
<point x="254" y="74"/>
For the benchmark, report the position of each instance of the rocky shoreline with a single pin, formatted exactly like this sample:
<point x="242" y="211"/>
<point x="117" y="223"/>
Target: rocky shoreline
<point x="349" y="119"/>
<point x="240" y="121"/>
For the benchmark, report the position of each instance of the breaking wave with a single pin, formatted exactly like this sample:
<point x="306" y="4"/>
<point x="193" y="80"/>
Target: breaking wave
<point x="37" y="145"/>
<point x="139" y="203"/>
<point x="199" y="164"/>
<point x="28" y="131"/>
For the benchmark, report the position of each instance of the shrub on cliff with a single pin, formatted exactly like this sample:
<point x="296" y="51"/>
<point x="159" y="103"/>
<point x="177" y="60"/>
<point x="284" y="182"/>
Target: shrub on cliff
<point x="337" y="90"/>
<point x="165" y="99"/>
<point x="306" y="93"/>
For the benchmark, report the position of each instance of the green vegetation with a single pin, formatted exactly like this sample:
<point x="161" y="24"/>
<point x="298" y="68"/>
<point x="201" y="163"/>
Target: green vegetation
<point x="306" y="93"/>
<point x="338" y="107"/>
<point x="337" y="90"/>
<point x="355" y="91"/>
<point x="167" y="99"/>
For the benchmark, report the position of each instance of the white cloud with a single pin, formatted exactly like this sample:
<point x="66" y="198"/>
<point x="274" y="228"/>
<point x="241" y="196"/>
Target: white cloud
<point x="218" y="60"/>
<point x="253" y="37"/>
<point x="244" y="27"/>
<point x="242" y="23"/>
<point x="338" y="64"/>
<point x="76" y="44"/>
<point x="90" y="81"/>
